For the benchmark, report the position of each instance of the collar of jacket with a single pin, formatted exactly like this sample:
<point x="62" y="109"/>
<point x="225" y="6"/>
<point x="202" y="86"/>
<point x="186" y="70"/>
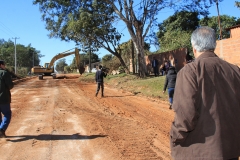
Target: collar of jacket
<point x="206" y="54"/>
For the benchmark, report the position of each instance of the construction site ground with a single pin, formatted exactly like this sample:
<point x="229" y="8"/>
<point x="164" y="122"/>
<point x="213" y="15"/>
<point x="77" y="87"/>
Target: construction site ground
<point x="59" y="119"/>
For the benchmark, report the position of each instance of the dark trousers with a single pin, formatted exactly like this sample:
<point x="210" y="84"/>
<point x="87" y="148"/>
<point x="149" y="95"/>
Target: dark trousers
<point x="100" y="85"/>
<point x="234" y="159"/>
<point x="170" y="94"/>
<point x="5" y="110"/>
<point x="155" y="70"/>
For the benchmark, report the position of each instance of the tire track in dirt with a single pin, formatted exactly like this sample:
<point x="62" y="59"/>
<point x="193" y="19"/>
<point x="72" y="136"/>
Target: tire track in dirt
<point x="29" y="123"/>
<point x="131" y="117"/>
<point x="62" y="119"/>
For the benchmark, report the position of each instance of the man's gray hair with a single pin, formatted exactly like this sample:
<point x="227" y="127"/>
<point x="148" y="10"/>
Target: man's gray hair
<point x="204" y="39"/>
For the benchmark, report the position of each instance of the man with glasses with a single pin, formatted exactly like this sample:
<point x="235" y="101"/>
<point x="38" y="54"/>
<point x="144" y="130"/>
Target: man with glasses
<point x="5" y="98"/>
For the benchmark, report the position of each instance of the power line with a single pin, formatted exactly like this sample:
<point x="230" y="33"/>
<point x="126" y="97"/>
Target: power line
<point x="7" y="29"/>
<point x="5" y="32"/>
<point x="124" y="28"/>
<point x="15" y="56"/>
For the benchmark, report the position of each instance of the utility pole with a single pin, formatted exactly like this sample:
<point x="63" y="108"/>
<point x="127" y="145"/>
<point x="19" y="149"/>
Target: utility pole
<point x="90" y="59"/>
<point x="33" y="59"/>
<point x="15" y="56"/>
<point x="219" y="23"/>
<point x="133" y="64"/>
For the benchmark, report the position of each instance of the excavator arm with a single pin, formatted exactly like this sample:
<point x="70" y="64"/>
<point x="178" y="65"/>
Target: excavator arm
<point x="80" y="67"/>
<point x="61" y="55"/>
<point x="48" y="70"/>
<point x="64" y="54"/>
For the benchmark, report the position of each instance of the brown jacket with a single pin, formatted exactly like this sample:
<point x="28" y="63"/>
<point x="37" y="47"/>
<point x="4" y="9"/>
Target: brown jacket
<point x="207" y="106"/>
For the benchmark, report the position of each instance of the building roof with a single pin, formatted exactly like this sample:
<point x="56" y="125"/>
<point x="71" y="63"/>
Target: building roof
<point x="229" y="28"/>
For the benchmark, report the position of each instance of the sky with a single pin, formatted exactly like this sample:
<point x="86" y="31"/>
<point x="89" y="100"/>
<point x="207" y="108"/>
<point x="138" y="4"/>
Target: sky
<point x="21" y="19"/>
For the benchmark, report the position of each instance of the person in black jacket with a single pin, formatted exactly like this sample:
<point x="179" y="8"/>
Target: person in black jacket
<point x="5" y="98"/>
<point x="100" y="74"/>
<point x="170" y="82"/>
<point x="155" y="66"/>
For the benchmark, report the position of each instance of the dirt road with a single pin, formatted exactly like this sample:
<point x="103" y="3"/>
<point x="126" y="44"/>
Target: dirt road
<point x="58" y="119"/>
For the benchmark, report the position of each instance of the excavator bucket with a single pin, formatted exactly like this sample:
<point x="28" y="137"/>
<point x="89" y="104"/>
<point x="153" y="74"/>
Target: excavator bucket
<point x="79" y="65"/>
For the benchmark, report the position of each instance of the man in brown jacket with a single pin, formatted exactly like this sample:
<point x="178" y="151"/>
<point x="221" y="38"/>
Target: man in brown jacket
<point x="206" y="104"/>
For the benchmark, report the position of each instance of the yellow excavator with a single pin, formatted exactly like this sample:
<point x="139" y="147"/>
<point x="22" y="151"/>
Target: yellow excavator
<point x="48" y="68"/>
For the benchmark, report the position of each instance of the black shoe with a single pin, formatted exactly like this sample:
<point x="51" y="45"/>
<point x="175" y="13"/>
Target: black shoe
<point x="2" y="133"/>
<point x="96" y="94"/>
<point x="170" y="106"/>
<point x="102" y="95"/>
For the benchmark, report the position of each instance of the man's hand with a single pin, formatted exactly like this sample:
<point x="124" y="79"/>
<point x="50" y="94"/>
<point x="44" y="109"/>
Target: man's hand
<point x="163" y="91"/>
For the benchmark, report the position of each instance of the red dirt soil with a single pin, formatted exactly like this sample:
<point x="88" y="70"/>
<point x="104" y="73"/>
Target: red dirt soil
<point x="58" y="119"/>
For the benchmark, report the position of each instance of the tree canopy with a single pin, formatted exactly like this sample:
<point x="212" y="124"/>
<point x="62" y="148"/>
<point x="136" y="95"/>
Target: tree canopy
<point x="140" y="17"/>
<point x="91" y="22"/>
<point x="88" y="23"/>
<point x="60" y="65"/>
<point x="226" y="22"/>
<point x="84" y="59"/>
<point x="237" y="4"/>
<point x="175" y="32"/>
<point x="27" y="56"/>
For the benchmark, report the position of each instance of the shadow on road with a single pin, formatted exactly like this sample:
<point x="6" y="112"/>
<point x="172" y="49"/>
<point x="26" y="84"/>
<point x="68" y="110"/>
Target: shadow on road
<point x="47" y="137"/>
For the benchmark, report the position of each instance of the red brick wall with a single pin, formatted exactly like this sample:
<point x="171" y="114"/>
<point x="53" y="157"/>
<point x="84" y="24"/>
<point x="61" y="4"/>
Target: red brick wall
<point x="176" y="57"/>
<point x="235" y="32"/>
<point x="229" y="49"/>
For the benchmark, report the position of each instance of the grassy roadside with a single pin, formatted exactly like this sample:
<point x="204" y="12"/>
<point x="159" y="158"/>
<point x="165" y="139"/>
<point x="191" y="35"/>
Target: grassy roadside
<point x="151" y="87"/>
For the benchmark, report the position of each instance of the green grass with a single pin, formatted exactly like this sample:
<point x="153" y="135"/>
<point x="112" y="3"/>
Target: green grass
<point x="150" y="86"/>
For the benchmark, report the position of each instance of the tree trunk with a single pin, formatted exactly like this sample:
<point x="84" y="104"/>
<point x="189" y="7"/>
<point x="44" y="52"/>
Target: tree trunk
<point x="123" y="63"/>
<point x="139" y="46"/>
<point x="90" y="68"/>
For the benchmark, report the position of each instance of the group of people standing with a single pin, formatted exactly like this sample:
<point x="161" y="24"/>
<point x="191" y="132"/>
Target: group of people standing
<point x="163" y="68"/>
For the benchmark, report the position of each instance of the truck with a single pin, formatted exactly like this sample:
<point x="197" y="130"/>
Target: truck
<point x="48" y="68"/>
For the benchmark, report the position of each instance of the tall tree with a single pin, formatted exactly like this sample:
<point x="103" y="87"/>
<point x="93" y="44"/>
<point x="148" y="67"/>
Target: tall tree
<point x="107" y="58"/>
<point x="127" y="50"/>
<point x="84" y="59"/>
<point x="88" y="23"/>
<point x="175" y="31"/>
<point x="237" y="4"/>
<point x="138" y="17"/>
<point x="226" y="21"/>
<point x="25" y="54"/>
<point x="60" y="65"/>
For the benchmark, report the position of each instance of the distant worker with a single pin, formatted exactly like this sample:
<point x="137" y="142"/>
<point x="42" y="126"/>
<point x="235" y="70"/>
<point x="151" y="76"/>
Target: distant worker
<point x="167" y="66"/>
<point x="207" y="106"/>
<point x="155" y="66"/>
<point x="170" y="82"/>
<point x="162" y="69"/>
<point x="6" y="85"/>
<point x="100" y="74"/>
